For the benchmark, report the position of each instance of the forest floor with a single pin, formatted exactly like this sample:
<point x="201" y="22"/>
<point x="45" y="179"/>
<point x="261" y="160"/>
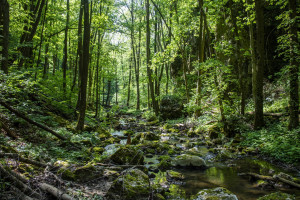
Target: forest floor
<point x="178" y="158"/>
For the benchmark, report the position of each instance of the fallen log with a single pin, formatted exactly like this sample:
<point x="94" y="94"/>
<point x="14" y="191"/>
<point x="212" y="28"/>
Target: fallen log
<point x="270" y="178"/>
<point x="18" y="183"/>
<point x="55" y="192"/>
<point x="296" y="185"/>
<point x="25" y="160"/>
<point x="31" y="121"/>
<point x="7" y="130"/>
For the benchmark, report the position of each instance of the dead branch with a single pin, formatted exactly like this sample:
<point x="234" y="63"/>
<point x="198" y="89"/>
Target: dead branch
<point x="32" y="122"/>
<point x="18" y="183"/>
<point x="25" y="160"/>
<point x="7" y="129"/>
<point x="55" y="192"/>
<point x="296" y="185"/>
<point x="270" y="178"/>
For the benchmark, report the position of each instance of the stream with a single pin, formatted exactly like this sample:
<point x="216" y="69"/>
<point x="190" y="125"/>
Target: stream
<point x="223" y="173"/>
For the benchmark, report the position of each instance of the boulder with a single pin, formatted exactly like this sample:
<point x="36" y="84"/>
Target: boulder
<point x="171" y="107"/>
<point x="186" y="160"/>
<point x="219" y="193"/>
<point x="277" y="196"/>
<point x="128" y="155"/>
<point x="131" y="184"/>
<point x="174" y="176"/>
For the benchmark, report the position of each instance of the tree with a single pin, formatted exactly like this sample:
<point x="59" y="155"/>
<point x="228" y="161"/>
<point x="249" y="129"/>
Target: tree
<point x="4" y="34"/>
<point x="294" y="67"/>
<point x="65" y="59"/>
<point x="258" y="71"/>
<point x="85" y="66"/>
<point x="149" y="70"/>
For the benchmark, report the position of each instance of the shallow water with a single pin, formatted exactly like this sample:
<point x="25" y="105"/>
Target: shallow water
<point x="221" y="175"/>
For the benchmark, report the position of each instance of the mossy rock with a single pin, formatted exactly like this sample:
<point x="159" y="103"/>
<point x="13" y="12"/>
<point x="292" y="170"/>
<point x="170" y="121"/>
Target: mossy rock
<point x="128" y="155"/>
<point x="152" y="123"/>
<point x="225" y="155"/>
<point x="112" y="140"/>
<point x="98" y="150"/>
<point x="159" y="147"/>
<point x="174" y="176"/>
<point x="213" y="131"/>
<point x="167" y="126"/>
<point x="188" y="161"/>
<point x="218" y="193"/>
<point x="128" y="132"/>
<point x="277" y="196"/>
<point x="165" y="163"/>
<point x="66" y="174"/>
<point x="158" y="196"/>
<point x="171" y="107"/>
<point x="85" y="173"/>
<point x="151" y="136"/>
<point x="131" y="184"/>
<point x="102" y="133"/>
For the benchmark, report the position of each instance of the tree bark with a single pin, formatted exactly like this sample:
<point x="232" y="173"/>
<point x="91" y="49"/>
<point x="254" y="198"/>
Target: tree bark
<point x="294" y="68"/>
<point x="149" y="70"/>
<point x="85" y="66"/>
<point x="65" y="58"/>
<point x="258" y="71"/>
<point x="4" y="21"/>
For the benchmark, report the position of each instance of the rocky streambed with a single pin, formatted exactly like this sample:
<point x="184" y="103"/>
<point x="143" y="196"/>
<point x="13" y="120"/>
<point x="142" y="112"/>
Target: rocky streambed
<point x="142" y="159"/>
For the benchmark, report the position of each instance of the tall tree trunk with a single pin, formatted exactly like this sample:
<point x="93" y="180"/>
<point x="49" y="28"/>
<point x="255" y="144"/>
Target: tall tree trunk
<point x="65" y="59"/>
<point x="294" y="68"/>
<point x="97" y="77"/>
<point x="108" y="93"/>
<point x="85" y="66"/>
<point x="129" y="84"/>
<point x="149" y="71"/>
<point x="4" y="22"/>
<point x="258" y="71"/>
<point x="80" y="53"/>
<point x="200" y="57"/>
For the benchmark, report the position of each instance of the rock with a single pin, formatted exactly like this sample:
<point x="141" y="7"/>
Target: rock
<point x="218" y="193"/>
<point x="165" y="163"/>
<point x="131" y="184"/>
<point x="174" y="176"/>
<point x="171" y="107"/>
<point x="128" y="155"/>
<point x="102" y="133"/>
<point x="151" y="136"/>
<point x="66" y="174"/>
<point x="213" y="131"/>
<point x="225" y="155"/>
<point x="86" y="173"/>
<point x="186" y="160"/>
<point x="99" y="150"/>
<point x="277" y="196"/>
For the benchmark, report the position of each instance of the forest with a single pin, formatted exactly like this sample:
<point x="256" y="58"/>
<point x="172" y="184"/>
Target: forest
<point x="149" y="99"/>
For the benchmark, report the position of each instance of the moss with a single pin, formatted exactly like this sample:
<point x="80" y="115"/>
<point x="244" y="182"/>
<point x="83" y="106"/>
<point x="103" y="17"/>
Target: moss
<point x="8" y="149"/>
<point x="128" y="132"/>
<point x="61" y="163"/>
<point x="151" y="123"/>
<point x="167" y="126"/>
<point x="158" y="196"/>
<point x="66" y="174"/>
<point x="165" y="163"/>
<point x="173" y="130"/>
<point x="277" y="196"/>
<point x="171" y="152"/>
<point x="173" y="175"/>
<point x="99" y="150"/>
<point x="84" y="173"/>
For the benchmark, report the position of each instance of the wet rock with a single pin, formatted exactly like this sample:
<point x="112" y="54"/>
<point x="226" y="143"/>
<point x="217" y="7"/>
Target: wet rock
<point x="174" y="176"/>
<point x="128" y="155"/>
<point x="171" y="107"/>
<point x="277" y="196"/>
<point x="186" y="160"/>
<point x="131" y="184"/>
<point x="151" y="136"/>
<point x="219" y="193"/>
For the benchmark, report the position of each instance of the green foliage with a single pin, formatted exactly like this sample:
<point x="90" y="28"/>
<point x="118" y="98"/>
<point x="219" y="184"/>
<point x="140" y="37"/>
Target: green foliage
<point x="276" y="141"/>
